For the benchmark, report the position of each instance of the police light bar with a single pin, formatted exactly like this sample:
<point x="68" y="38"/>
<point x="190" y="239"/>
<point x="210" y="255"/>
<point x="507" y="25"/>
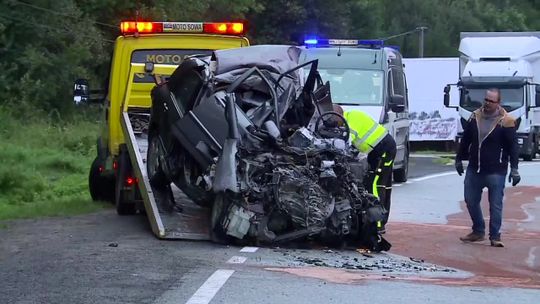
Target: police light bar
<point x="144" y="27"/>
<point x="313" y="42"/>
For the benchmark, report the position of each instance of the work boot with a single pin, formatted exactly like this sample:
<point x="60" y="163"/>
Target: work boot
<point x="472" y="237"/>
<point x="497" y="243"/>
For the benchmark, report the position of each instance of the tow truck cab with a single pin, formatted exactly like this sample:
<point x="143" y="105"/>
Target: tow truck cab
<point x="366" y="75"/>
<point x="162" y="43"/>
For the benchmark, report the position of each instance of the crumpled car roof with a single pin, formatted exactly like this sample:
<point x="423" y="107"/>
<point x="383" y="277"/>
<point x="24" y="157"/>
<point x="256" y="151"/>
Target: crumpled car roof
<point x="275" y="58"/>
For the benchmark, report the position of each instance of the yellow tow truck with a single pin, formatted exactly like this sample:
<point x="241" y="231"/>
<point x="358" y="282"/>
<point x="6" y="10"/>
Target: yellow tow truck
<point x="144" y="52"/>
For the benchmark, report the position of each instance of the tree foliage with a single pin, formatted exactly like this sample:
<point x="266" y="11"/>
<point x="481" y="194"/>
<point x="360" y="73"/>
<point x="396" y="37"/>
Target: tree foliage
<point x="46" y="44"/>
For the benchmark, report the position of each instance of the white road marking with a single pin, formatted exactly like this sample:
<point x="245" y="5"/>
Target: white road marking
<point x="249" y="249"/>
<point x="423" y="178"/>
<point x="431" y="155"/>
<point x="531" y="257"/>
<point x="237" y="260"/>
<point x="210" y="287"/>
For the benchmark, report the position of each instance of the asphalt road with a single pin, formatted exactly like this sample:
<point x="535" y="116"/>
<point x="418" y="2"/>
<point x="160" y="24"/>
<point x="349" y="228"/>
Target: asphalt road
<point x="104" y="258"/>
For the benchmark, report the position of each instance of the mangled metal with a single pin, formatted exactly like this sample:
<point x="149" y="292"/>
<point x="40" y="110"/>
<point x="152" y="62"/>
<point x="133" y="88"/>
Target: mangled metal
<point x="260" y="157"/>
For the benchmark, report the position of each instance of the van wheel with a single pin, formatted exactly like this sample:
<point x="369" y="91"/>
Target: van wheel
<point x="123" y="206"/>
<point x="400" y="175"/>
<point x="101" y="188"/>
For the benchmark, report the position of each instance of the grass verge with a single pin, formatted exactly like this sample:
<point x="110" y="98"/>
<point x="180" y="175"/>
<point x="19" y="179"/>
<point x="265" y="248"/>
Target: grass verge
<point x="44" y="166"/>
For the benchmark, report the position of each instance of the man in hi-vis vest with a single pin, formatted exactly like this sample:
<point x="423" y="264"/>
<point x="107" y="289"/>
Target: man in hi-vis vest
<point x="372" y="138"/>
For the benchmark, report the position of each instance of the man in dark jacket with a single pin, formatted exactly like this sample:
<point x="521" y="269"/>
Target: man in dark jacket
<point x="489" y="140"/>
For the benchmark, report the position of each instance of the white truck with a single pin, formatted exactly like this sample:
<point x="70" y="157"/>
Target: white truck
<point x="509" y="61"/>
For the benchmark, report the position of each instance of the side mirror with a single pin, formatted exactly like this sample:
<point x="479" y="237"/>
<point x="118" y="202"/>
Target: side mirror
<point x="537" y="95"/>
<point x="397" y="103"/>
<point x="447" y="96"/>
<point x="81" y="91"/>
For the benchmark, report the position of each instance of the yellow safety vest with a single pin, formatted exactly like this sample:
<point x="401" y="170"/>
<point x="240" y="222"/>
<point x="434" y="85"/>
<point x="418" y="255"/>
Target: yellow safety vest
<point x="366" y="133"/>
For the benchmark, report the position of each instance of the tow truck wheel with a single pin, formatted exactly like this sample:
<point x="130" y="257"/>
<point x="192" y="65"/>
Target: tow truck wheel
<point x="123" y="206"/>
<point x="400" y="175"/>
<point x="101" y="188"/>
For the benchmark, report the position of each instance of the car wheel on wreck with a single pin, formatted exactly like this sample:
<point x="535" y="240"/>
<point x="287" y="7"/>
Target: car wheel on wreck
<point x="217" y="234"/>
<point x="156" y="175"/>
<point x="188" y="177"/>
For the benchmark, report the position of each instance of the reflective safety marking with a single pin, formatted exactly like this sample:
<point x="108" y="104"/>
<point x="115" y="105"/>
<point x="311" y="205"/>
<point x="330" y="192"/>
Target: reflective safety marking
<point x="211" y="286"/>
<point x="387" y="164"/>
<point x="368" y="133"/>
<point x="379" y="224"/>
<point x="375" y="191"/>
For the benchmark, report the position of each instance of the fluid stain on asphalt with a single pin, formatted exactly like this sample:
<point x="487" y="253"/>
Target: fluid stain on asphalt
<point x="351" y="267"/>
<point x="516" y="265"/>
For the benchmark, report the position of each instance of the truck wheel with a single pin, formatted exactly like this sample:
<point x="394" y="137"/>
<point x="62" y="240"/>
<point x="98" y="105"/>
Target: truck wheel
<point x="123" y="206"/>
<point x="400" y="175"/>
<point x="101" y="188"/>
<point x="156" y="175"/>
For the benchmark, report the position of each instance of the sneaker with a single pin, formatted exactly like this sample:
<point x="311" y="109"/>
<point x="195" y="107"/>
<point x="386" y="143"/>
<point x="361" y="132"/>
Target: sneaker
<point x="472" y="237"/>
<point x="497" y="243"/>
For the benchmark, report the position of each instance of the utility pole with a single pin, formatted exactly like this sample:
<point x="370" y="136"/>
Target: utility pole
<point x="421" y="30"/>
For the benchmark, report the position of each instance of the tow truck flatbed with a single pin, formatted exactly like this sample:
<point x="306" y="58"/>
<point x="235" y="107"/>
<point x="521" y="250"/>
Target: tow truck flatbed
<point x="180" y="218"/>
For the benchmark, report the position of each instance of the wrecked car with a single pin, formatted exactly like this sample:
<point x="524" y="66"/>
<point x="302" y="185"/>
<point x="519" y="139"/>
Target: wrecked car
<point x="250" y="133"/>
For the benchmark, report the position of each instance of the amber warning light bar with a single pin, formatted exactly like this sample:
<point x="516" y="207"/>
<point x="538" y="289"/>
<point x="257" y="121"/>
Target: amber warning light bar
<point x="143" y="27"/>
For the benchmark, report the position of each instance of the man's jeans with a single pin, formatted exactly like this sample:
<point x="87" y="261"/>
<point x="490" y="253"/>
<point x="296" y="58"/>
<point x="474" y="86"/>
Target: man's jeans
<point x="474" y="183"/>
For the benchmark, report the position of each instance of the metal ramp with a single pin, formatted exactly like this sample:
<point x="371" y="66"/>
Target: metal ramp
<point x="181" y="219"/>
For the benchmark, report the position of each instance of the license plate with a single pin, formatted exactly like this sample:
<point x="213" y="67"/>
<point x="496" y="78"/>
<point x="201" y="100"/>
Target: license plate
<point x="520" y="141"/>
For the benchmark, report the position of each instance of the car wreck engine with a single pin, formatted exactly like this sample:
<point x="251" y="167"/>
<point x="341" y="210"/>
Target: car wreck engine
<point x="307" y="188"/>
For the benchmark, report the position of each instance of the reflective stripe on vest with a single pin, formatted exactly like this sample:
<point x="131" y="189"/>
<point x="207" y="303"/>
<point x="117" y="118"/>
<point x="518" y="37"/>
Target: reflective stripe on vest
<point x="366" y="133"/>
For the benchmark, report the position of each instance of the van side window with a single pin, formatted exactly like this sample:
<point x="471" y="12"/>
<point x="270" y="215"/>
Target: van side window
<point x="398" y="82"/>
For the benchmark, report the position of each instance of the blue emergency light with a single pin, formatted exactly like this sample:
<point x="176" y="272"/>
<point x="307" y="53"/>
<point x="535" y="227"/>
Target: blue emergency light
<point x="311" y="41"/>
<point x="315" y="42"/>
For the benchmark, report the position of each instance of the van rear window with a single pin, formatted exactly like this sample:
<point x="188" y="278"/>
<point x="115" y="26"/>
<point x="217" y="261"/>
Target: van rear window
<point x="172" y="57"/>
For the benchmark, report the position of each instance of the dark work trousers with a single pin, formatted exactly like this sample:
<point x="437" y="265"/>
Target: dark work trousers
<point x="381" y="164"/>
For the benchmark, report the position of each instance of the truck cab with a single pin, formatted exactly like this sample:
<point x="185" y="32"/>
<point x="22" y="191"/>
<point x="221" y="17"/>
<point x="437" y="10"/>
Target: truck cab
<point x="111" y="175"/>
<point x="367" y="76"/>
<point x="511" y="63"/>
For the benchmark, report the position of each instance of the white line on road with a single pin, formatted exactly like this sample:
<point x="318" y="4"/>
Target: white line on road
<point x="423" y="178"/>
<point x="237" y="260"/>
<point x="249" y="249"/>
<point x="531" y="257"/>
<point x="211" y="286"/>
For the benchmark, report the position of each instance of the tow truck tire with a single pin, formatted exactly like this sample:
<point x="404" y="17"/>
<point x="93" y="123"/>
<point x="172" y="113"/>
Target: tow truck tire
<point x="101" y="188"/>
<point x="400" y="175"/>
<point x="122" y="206"/>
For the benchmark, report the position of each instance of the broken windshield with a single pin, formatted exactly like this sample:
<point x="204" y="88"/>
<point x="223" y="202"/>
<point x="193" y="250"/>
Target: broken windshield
<point x="354" y="86"/>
